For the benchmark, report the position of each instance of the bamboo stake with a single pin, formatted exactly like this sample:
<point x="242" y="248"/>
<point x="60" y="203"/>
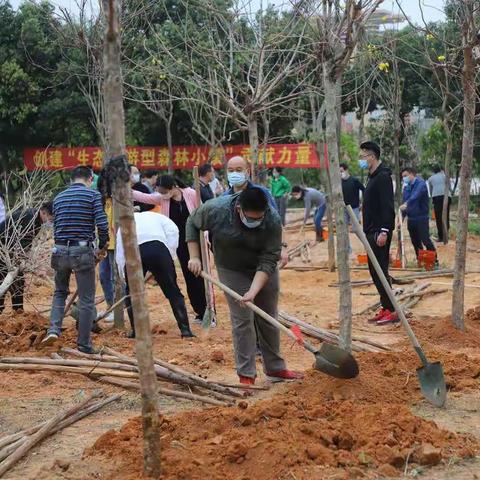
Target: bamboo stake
<point x="21" y="437"/>
<point x="166" y="391"/>
<point x="328" y="336"/>
<point x="42" y="433"/>
<point x="197" y="381"/>
<point x="63" y="368"/>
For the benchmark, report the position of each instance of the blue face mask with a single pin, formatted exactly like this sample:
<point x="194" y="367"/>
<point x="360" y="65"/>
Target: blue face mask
<point x="363" y="164"/>
<point x="249" y="222"/>
<point x="236" y="178"/>
<point x="406" y="181"/>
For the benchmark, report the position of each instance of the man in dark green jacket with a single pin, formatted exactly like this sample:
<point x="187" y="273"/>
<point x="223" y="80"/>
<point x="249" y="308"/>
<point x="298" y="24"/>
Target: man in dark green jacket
<point x="247" y="244"/>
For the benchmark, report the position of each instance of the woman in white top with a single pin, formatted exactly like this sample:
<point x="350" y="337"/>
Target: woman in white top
<point x="157" y="237"/>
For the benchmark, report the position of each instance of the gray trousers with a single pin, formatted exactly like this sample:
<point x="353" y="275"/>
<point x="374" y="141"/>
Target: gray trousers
<point x="80" y="261"/>
<point x="244" y="322"/>
<point x="281" y="203"/>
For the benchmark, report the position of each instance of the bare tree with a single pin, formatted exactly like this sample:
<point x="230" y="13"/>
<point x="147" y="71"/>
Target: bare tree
<point x="118" y="171"/>
<point x="242" y="62"/>
<point x="19" y="251"/>
<point x="468" y="13"/>
<point x="336" y="29"/>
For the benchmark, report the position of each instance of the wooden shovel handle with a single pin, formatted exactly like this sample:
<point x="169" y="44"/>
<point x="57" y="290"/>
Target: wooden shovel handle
<point x="383" y="279"/>
<point x="258" y="311"/>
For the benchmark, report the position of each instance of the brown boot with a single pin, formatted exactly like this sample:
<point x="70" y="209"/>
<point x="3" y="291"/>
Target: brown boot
<point x="319" y="237"/>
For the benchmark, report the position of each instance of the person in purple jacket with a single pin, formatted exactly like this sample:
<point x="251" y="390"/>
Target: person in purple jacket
<point x="415" y="208"/>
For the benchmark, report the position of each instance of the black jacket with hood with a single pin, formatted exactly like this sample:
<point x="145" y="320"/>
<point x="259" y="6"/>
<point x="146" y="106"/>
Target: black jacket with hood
<point x="378" y="202"/>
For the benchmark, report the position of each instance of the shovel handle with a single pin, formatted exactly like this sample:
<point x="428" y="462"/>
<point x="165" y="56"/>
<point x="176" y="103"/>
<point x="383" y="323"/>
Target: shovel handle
<point x="258" y="311"/>
<point x="361" y="235"/>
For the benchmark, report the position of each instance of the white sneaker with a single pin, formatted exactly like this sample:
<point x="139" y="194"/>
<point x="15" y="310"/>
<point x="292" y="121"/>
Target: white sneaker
<point x="50" y="339"/>
<point x="107" y="319"/>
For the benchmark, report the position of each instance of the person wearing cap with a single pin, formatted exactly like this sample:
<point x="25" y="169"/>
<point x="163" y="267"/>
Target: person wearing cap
<point x="247" y="246"/>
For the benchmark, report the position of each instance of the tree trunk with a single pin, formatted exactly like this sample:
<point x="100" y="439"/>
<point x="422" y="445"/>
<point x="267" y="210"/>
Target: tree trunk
<point x="253" y="141"/>
<point x="119" y="173"/>
<point x="168" y="127"/>
<point x="446" y="169"/>
<point x="332" y="97"/>
<point x="468" y="84"/>
<point x="8" y="280"/>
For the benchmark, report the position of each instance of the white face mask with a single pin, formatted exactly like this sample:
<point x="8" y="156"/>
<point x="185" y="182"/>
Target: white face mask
<point x="236" y="178"/>
<point x="344" y="175"/>
<point x="135" y="177"/>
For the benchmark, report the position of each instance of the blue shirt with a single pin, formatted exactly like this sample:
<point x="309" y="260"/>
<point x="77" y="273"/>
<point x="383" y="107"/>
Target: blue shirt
<point x="416" y="197"/>
<point x="78" y="210"/>
<point x="265" y="190"/>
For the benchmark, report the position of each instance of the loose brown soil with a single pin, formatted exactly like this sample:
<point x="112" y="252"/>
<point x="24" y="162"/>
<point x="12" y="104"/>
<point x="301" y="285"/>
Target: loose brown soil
<point x="319" y="428"/>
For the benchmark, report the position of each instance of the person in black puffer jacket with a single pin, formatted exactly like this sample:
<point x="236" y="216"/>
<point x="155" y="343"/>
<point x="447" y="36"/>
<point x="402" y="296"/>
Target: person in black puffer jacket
<point x="378" y="222"/>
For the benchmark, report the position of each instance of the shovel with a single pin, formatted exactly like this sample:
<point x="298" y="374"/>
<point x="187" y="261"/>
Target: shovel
<point x="329" y="359"/>
<point x="430" y="375"/>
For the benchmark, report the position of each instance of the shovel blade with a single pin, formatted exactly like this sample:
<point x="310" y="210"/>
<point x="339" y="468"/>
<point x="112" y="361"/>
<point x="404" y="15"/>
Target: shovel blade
<point x="432" y="383"/>
<point x="336" y="362"/>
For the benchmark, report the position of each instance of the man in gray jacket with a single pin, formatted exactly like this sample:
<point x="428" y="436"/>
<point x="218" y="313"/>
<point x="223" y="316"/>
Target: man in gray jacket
<point x="247" y="243"/>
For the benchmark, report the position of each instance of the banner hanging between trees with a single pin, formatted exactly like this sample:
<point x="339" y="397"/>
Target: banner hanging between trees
<point x="290" y="155"/>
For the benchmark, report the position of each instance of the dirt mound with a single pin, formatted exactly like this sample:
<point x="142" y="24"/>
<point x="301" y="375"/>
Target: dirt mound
<point x="362" y="424"/>
<point x="473" y="316"/>
<point x="20" y="331"/>
<point x="441" y="331"/>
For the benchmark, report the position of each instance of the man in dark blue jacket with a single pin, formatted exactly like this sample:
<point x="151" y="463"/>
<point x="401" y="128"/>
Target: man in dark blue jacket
<point x="415" y="207"/>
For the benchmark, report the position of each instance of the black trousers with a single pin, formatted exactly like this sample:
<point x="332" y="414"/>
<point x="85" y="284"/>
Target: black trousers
<point x="157" y="260"/>
<point x="195" y="285"/>
<point x="383" y="256"/>
<point x="420" y="235"/>
<point x="438" y="209"/>
<point x="16" y="290"/>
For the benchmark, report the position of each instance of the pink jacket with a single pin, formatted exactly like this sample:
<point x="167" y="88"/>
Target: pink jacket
<point x="189" y="195"/>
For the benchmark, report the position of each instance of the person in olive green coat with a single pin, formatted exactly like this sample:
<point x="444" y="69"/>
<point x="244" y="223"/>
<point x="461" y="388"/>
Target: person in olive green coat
<point x="280" y="188"/>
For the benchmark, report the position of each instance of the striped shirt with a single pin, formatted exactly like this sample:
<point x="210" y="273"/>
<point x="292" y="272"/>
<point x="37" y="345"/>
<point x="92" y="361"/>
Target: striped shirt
<point x="77" y="211"/>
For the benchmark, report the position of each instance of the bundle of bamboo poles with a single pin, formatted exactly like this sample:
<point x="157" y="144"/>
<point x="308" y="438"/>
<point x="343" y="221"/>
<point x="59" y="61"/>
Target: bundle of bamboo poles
<point x="359" y="344"/>
<point x="16" y="446"/>
<point x="407" y="298"/>
<point x="115" y="368"/>
<point x="403" y="279"/>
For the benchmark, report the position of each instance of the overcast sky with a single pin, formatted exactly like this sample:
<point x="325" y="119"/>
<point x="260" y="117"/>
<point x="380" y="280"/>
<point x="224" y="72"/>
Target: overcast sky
<point x="412" y="8"/>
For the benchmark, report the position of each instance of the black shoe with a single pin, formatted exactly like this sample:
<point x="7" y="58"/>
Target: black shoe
<point x="89" y="350"/>
<point x="96" y="328"/>
<point x="187" y="334"/>
<point x="130" y="334"/>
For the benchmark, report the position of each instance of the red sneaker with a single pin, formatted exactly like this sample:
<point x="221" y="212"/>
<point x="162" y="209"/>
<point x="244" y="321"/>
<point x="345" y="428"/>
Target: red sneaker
<point x="389" y="317"/>
<point x="284" y="375"/>
<point x="380" y="314"/>
<point x="246" y="380"/>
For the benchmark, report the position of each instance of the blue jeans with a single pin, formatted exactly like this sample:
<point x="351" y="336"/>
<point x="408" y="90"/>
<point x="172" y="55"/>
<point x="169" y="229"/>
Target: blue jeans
<point x="107" y="277"/>
<point x="356" y="211"/>
<point x="80" y="261"/>
<point x="318" y="217"/>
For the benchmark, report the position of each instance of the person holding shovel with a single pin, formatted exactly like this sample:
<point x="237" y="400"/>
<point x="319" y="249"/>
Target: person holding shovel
<point x="378" y="223"/>
<point x="312" y="198"/>
<point x="247" y="246"/>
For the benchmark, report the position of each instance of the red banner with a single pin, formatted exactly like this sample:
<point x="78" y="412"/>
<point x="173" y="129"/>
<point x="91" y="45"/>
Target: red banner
<point x="297" y="155"/>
